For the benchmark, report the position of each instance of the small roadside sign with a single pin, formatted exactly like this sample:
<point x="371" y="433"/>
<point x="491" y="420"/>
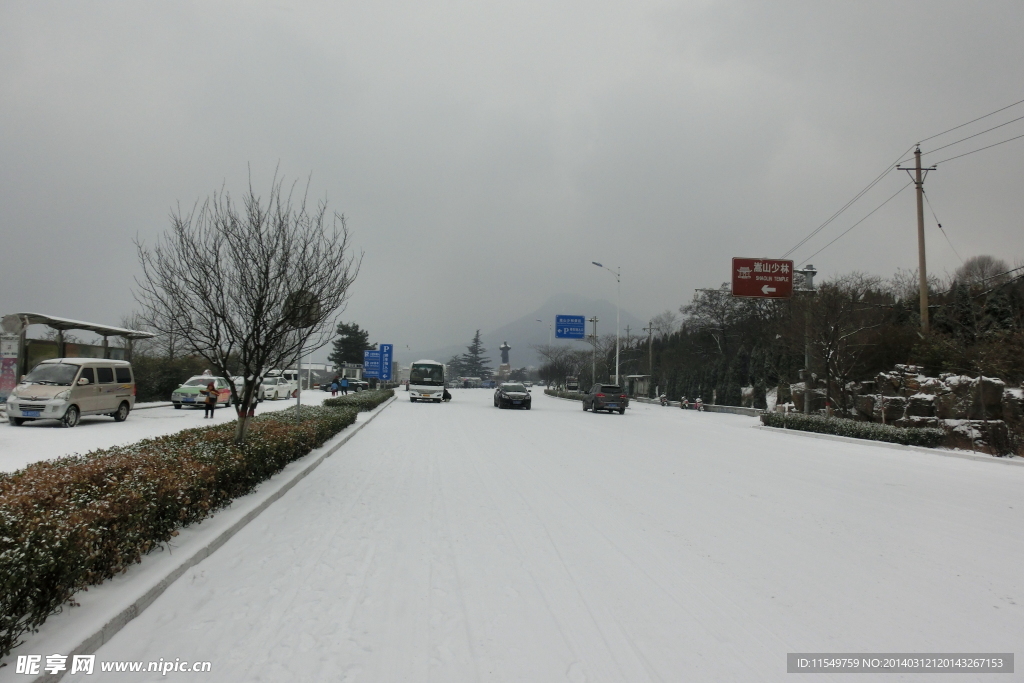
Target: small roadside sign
<point x="762" y="278"/>
<point x="570" y="326"/>
<point x="371" y="363"/>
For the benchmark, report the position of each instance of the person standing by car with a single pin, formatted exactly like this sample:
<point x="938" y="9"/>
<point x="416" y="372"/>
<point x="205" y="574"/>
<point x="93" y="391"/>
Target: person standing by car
<point x="334" y="387"/>
<point x="210" y="405"/>
<point x="344" y="386"/>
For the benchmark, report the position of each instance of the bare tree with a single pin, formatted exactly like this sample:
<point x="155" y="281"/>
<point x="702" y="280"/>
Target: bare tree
<point x="715" y="312"/>
<point x="237" y="282"/>
<point x="983" y="270"/>
<point x="840" y="315"/>
<point x="561" y="362"/>
<point x="665" y="323"/>
<point x="162" y="345"/>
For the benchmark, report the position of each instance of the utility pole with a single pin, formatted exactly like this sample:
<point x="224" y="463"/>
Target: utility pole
<point x="650" y="354"/>
<point x="808" y="272"/>
<point x="618" y="296"/>
<point x="593" y="365"/>
<point x="550" y="325"/>
<point x="922" y="270"/>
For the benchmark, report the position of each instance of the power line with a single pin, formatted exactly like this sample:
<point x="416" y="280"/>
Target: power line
<point x="845" y="206"/>
<point x="992" y="277"/>
<point x="941" y="229"/>
<point x="858" y="222"/>
<point x="971" y="121"/>
<point x="975" y="135"/>
<point x="901" y="160"/>
<point x="981" y="149"/>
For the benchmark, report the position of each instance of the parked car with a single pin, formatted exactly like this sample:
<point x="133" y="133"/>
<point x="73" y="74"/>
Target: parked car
<point x="239" y="383"/>
<point x="277" y="387"/>
<point x="67" y="388"/>
<point x="512" y="395"/>
<point x="358" y="384"/>
<point x="188" y="393"/>
<point x="608" y="397"/>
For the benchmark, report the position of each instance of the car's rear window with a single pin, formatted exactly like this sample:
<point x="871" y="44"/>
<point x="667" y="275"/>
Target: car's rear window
<point x="124" y="375"/>
<point x="611" y="389"/>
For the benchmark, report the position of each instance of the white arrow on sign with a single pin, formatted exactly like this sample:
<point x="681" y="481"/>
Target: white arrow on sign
<point x="767" y="289"/>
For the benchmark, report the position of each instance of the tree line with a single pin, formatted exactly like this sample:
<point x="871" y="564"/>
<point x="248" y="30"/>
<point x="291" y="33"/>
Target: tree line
<point x="850" y="328"/>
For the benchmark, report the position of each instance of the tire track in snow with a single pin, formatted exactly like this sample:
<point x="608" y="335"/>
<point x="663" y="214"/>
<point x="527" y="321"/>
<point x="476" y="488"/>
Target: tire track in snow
<point x="576" y="669"/>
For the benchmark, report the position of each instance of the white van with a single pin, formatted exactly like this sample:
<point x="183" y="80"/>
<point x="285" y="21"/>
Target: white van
<point x="65" y="389"/>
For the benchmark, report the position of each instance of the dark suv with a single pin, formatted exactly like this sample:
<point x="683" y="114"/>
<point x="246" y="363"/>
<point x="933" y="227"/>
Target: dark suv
<point x="606" y="397"/>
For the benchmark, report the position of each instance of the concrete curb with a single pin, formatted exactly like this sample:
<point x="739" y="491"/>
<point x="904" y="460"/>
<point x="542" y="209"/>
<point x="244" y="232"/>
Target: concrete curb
<point x="271" y="491"/>
<point x="1018" y="462"/>
<point x="152" y="405"/>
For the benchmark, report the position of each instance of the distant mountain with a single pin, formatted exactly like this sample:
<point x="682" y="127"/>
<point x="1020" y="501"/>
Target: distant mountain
<point x="525" y="333"/>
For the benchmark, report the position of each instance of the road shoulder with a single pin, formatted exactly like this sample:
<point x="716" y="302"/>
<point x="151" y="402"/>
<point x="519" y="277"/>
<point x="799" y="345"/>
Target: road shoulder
<point x="104" y="610"/>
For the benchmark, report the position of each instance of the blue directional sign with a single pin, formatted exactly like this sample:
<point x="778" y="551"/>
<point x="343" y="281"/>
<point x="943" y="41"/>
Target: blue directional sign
<point x="570" y="326"/>
<point x="371" y="363"/>
<point x="386" y="354"/>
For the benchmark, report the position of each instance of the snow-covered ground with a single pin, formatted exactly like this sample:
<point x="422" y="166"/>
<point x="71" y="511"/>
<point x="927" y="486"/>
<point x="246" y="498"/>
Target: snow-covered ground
<point x="46" y="439"/>
<point x="460" y="542"/>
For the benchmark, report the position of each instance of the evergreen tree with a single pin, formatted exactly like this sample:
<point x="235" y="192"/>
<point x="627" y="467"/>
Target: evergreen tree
<point x="963" y="314"/>
<point x="350" y="344"/>
<point x="998" y="311"/>
<point x="474" y="362"/>
<point x="456" y="368"/>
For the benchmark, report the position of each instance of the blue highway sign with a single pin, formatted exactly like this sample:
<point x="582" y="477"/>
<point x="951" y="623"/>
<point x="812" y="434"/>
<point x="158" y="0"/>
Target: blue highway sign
<point x="570" y="326"/>
<point x="386" y="354"/>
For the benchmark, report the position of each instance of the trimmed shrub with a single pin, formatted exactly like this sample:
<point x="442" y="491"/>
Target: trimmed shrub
<point x="72" y="522"/>
<point x="572" y="395"/>
<point x="908" y="436"/>
<point x="363" y="400"/>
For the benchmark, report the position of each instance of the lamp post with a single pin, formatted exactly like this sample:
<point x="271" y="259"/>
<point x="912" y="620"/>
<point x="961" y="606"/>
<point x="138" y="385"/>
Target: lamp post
<point x="618" y="295"/>
<point x="549" y="329"/>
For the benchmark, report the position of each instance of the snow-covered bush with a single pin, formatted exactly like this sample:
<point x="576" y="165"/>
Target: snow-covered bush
<point x="908" y="436"/>
<point x="363" y="400"/>
<point x="72" y="522"/>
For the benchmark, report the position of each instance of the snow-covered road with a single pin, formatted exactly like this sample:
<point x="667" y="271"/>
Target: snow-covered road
<point x="46" y="439"/>
<point x="460" y="542"/>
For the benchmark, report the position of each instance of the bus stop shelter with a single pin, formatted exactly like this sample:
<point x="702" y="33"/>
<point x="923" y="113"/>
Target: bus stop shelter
<point x="19" y="353"/>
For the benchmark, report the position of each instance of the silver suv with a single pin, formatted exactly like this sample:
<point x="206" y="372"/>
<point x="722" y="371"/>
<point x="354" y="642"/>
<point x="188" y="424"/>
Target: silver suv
<point x="608" y="397"/>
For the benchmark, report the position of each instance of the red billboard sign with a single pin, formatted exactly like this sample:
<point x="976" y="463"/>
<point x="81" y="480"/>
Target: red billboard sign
<point x="764" y="278"/>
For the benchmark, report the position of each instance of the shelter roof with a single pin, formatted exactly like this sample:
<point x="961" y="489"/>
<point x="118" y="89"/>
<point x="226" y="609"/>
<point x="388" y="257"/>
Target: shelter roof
<point x="69" y="324"/>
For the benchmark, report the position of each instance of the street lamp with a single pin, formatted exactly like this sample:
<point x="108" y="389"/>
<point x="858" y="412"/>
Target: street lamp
<point x="618" y="295"/>
<point x="549" y="329"/>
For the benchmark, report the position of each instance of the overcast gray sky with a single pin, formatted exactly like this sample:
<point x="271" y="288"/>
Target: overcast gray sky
<point x="485" y="153"/>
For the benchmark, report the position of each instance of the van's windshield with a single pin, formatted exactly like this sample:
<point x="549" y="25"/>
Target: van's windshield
<point x="62" y="374"/>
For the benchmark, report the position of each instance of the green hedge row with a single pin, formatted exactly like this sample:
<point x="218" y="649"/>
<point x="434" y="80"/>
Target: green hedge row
<point x="575" y="396"/>
<point x="72" y="522"/>
<point x="908" y="436"/>
<point x="363" y="400"/>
